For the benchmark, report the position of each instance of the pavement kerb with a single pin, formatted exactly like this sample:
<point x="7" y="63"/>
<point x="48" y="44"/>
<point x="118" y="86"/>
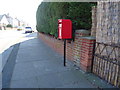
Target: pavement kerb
<point x="9" y="66"/>
<point x="11" y="46"/>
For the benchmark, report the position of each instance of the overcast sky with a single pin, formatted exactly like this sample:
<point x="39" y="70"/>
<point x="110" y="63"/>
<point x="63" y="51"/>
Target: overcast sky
<point x="22" y="9"/>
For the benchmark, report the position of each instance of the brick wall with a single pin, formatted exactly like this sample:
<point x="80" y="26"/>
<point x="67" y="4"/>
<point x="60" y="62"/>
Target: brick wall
<point x="78" y="51"/>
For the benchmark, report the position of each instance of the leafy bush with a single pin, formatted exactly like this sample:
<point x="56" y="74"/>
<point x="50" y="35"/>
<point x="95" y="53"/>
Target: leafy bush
<point x="48" y="13"/>
<point x="9" y="25"/>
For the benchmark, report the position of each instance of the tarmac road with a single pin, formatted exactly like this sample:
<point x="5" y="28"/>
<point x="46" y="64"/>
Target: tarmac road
<point x="9" y="38"/>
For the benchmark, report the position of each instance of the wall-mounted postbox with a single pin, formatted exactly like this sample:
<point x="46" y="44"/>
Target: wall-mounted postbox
<point x="64" y="29"/>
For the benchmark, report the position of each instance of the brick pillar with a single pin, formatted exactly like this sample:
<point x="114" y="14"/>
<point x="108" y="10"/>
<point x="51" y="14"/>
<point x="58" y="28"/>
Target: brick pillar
<point x="86" y="54"/>
<point x="77" y="46"/>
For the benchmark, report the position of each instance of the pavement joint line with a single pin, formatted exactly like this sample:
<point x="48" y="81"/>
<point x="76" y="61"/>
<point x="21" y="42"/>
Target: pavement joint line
<point x="24" y="78"/>
<point x="28" y="61"/>
<point x="54" y="72"/>
<point x="37" y="80"/>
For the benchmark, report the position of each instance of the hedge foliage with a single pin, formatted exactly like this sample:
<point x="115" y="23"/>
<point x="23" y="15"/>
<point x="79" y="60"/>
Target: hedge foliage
<point x="9" y="25"/>
<point x="48" y="14"/>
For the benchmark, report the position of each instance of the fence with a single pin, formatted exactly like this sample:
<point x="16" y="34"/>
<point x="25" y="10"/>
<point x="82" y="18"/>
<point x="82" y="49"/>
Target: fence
<point x="106" y="63"/>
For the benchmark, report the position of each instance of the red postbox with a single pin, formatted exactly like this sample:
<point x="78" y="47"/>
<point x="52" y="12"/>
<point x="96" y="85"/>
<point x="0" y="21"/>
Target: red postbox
<point x="64" y="29"/>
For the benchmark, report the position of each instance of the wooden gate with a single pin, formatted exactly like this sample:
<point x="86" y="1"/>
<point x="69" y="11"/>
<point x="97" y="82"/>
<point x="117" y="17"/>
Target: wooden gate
<point x="106" y="63"/>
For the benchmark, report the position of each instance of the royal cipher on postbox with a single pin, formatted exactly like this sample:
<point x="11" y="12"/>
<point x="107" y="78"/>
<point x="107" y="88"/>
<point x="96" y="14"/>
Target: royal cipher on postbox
<point x="64" y="29"/>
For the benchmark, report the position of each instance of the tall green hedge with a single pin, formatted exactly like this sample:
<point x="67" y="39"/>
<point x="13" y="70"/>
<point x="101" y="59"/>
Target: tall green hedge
<point x="48" y="14"/>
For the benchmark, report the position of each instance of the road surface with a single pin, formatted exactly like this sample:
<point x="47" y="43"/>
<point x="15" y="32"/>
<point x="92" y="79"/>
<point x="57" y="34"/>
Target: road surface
<point x="9" y="38"/>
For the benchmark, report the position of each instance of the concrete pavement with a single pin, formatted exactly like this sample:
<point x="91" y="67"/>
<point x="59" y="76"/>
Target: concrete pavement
<point x="39" y="66"/>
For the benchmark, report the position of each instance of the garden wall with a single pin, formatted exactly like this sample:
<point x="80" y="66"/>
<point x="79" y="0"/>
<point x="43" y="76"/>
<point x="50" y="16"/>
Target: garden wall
<point x="78" y="51"/>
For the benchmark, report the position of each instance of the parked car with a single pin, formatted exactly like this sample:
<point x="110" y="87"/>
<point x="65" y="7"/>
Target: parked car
<point x="28" y="30"/>
<point x="19" y="28"/>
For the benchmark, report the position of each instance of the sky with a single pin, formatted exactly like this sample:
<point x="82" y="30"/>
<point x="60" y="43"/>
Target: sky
<point x="24" y="10"/>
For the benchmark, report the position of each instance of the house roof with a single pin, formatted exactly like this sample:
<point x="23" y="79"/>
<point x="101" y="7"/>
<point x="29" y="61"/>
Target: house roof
<point x="1" y="17"/>
<point x="9" y="19"/>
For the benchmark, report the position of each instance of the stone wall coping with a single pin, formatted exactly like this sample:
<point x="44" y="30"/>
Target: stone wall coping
<point x="82" y="31"/>
<point x="88" y="37"/>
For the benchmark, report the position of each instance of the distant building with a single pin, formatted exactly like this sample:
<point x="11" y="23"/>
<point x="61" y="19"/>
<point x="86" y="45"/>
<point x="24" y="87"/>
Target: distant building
<point x="16" y="22"/>
<point x="6" y="19"/>
<point x="3" y="22"/>
<point x="9" y="18"/>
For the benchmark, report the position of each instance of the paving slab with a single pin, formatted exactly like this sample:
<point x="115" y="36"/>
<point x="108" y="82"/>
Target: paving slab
<point x="78" y="85"/>
<point x="23" y="71"/>
<point x="71" y="76"/>
<point x="49" y="81"/>
<point x="43" y="70"/>
<point x="24" y="83"/>
<point x="96" y="80"/>
<point x="32" y="53"/>
<point x="67" y="79"/>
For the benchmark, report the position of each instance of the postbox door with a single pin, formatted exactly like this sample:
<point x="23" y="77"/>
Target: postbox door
<point x="64" y="29"/>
